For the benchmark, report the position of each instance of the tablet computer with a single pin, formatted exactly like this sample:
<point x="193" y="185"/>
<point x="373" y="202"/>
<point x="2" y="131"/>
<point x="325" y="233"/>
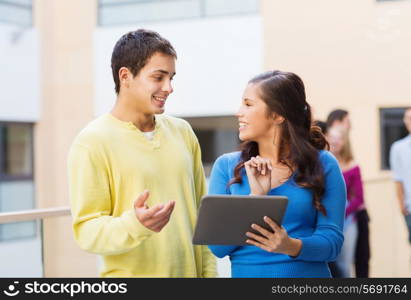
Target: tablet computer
<point x="225" y="219"/>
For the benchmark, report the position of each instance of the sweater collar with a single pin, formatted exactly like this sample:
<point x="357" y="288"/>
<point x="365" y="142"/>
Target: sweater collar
<point x="130" y="125"/>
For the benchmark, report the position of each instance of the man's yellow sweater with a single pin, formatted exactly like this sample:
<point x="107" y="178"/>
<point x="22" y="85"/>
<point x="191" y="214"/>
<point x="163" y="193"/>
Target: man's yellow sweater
<point x="110" y="163"/>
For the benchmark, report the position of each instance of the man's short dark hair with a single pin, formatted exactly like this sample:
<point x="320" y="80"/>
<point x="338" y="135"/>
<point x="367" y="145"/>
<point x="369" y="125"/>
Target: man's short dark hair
<point x="336" y="115"/>
<point x="134" y="49"/>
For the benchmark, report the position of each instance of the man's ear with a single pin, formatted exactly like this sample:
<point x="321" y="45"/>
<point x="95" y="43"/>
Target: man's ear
<point x="124" y="75"/>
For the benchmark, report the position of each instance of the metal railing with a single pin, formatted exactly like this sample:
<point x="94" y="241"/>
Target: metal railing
<point x="34" y="214"/>
<point x="14" y="248"/>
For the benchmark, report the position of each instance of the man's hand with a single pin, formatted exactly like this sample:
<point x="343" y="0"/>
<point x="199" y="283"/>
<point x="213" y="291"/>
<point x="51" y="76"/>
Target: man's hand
<point x="400" y="195"/>
<point x="154" y="218"/>
<point x="404" y="209"/>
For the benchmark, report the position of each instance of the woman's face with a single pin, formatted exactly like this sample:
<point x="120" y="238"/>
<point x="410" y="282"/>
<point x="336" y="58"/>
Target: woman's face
<point x="254" y="124"/>
<point x="336" y="141"/>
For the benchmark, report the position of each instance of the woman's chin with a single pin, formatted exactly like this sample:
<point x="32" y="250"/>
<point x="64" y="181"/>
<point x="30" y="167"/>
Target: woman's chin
<point x="243" y="137"/>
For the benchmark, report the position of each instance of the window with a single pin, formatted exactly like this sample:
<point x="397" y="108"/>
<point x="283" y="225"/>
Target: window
<point x="16" y="12"/>
<point x="120" y="12"/>
<point x="16" y="151"/>
<point x="216" y="135"/>
<point x="16" y="177"/>
<point x="391" y="129"/>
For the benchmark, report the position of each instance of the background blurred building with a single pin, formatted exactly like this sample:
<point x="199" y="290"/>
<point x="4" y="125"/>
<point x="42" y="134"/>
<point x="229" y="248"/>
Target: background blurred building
<point x="56" y="77"/>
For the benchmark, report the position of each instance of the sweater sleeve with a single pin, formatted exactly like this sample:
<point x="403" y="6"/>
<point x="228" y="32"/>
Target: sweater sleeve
<point x="326" y="241"/>
<point x="219" y="179"/>
<point x="355" y="192"/>
<point x="95" y="229"/>
<point x="209" y="268"/>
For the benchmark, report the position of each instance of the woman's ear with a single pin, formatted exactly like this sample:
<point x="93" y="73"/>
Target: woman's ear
<point x="278" y="119"/>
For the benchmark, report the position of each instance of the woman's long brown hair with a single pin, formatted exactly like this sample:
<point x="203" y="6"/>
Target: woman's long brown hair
<point x="300" y="141"/>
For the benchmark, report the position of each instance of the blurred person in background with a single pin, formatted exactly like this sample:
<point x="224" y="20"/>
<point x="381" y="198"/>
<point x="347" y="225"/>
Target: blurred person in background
<point x="340" y="147"/>
<point x="126" y="165"/>
<point x="340" y="117"/>
<point x="283" y="154"/>
<point x="400" y="162"/>
<point x="322" y="125"/>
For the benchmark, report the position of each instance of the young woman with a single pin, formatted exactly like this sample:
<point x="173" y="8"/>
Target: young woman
<point x="282" y="155"/>
<point x="340" y="147"/>
<point x="340" y="117"/>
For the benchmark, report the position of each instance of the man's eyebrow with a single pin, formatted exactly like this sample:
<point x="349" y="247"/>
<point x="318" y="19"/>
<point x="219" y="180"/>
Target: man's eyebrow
<point x="164" y="72"/>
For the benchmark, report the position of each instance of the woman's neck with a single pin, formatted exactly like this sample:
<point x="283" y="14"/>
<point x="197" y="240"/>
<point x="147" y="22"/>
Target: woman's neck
<point x="337" y="156"/>
<point x="343" y="163"/>
<point x="270" y="148"/>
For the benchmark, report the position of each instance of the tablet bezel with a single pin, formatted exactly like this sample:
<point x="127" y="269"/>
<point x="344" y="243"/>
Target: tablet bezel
<point x="225" y="219"/>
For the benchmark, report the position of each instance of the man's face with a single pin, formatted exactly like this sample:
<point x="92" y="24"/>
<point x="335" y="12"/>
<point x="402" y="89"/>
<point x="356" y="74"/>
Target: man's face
<point x="149" y="89"/>
<point x="407" y="119"/>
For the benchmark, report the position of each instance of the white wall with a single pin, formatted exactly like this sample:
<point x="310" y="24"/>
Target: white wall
<point x="216" y="58"/>
<point x="19" y="74"/>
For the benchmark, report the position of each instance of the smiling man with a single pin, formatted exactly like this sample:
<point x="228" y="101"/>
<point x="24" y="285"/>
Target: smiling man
<point x="135" y="174"/>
